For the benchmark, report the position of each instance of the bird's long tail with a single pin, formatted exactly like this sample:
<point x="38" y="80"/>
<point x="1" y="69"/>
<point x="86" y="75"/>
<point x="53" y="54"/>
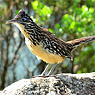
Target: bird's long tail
<point x="77" y="42"/>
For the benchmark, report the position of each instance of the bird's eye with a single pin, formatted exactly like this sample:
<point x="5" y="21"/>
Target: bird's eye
<point x="25" y="19"/>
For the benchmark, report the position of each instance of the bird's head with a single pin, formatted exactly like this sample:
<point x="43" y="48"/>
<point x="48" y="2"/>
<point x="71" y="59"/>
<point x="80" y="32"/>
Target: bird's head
<point x="22" y="21"/>
<point x="20" y="18"/>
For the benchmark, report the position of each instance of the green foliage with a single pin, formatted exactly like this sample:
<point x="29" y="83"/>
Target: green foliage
<point x="41" y="9"/>
<point x="80" y="21"/>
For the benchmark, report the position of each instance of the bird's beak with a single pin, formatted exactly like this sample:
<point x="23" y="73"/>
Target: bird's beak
<point x="11" y="21"/>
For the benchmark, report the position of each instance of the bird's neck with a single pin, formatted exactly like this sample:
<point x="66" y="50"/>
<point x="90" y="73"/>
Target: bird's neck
<point x="28" y="29"/>
<point x="30" y="32"/>
<point x="21" y="28"/>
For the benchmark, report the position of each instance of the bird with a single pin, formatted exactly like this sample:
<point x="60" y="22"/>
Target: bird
<point x="42" y="43"/>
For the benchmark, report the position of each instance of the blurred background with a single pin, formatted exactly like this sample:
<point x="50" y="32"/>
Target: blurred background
<point x="68" y="19"/>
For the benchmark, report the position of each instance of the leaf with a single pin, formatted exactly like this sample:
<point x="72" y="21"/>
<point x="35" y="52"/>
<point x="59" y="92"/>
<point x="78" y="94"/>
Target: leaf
<point x="35" y="4"/>
<point x="57" y="26"/>
<point x="51" y="30"/>
<point x="72" y="25"/>
<point x="66" y="16"/>
<point x="91" y="10"/>
<point x="84" y="8"/>
<point x="46" y="10"/>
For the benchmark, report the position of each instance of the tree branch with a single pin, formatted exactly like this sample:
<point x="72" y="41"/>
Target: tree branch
<point x="14" y="57"/>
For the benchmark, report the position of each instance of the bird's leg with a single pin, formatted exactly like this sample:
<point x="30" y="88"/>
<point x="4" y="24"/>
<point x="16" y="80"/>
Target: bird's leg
<point x="47" y="67"/>
<point x="52" y="69"/>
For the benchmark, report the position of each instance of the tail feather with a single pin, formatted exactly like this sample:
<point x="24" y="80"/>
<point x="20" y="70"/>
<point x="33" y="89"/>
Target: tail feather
<point x="77" y="42"/>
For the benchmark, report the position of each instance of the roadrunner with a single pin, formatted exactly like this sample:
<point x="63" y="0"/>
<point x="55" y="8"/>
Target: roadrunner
<point x="43" y="43"/>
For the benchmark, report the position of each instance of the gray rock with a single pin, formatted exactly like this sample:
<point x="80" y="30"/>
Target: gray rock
<point x="61" y="84"/>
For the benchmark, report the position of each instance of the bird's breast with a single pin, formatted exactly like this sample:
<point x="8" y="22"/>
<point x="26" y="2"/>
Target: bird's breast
<point x="42" y="53"/>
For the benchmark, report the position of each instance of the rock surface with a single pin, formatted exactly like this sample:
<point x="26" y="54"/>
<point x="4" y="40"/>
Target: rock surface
<point x="61" y="84"/>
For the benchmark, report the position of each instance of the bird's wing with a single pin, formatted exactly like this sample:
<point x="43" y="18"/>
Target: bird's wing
<point x="55" y="45"/>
